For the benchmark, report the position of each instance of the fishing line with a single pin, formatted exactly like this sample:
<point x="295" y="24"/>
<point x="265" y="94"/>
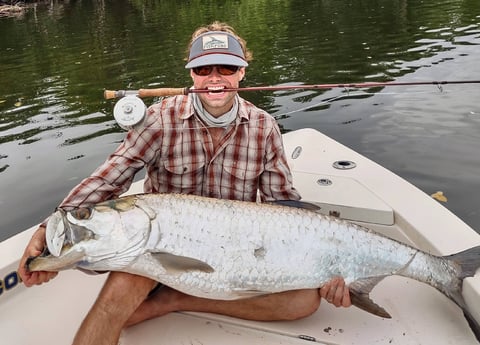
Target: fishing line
<point x="357" y="94"/>
<point x="328" y="101"/>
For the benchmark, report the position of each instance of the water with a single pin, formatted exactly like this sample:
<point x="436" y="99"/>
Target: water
<point x="56" y="60"/>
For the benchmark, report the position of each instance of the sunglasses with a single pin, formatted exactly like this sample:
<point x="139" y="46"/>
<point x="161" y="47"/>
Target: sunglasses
<point x="221" y="69"/>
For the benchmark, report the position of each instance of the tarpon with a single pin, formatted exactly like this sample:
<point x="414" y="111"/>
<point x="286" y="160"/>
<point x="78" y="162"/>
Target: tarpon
<point x="224" y="249"/>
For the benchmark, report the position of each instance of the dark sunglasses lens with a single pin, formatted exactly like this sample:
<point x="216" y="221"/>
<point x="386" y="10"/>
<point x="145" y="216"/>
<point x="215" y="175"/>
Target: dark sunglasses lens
<point x="203" y="70"/>
<point x="222" y="69"/>
<point x="227" y="69"/>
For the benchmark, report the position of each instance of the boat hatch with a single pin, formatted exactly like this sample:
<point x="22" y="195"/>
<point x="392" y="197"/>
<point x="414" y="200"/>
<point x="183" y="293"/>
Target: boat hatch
<point x="343" y="197"/>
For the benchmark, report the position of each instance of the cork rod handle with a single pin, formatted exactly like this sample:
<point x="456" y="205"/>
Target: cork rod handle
<point x="161" y="92"/>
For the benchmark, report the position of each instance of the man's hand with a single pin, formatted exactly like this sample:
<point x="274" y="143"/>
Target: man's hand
<point x="336" y="292"/>
<point x="34" y="248"/>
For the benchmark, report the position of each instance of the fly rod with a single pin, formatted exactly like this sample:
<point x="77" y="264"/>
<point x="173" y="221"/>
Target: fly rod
<point x="161" y="92"/>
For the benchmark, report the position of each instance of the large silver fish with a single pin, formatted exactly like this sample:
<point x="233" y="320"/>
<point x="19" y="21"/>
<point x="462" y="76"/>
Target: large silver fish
<point x="224" y="249"/>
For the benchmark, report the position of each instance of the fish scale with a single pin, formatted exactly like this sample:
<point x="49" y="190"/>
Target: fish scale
<point x="224" y="249"/>
<point x="232" y="232"/>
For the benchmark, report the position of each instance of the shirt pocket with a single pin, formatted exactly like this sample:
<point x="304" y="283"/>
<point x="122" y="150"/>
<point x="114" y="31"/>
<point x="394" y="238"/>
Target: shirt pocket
<point x="243" y="177"/>
<point x="183" y="173"/>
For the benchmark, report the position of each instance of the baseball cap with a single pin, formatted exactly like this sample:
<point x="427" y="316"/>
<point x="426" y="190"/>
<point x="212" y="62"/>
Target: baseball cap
<point x="216" y="48"/>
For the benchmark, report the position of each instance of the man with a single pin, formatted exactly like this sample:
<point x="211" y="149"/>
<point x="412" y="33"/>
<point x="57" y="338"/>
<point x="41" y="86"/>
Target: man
<point x="214" y="144"/>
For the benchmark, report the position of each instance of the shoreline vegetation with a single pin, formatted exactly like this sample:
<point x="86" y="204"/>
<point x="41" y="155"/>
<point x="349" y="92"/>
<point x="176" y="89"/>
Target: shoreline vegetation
<point x="12" y="10"/>
<point x="15" y="8"/>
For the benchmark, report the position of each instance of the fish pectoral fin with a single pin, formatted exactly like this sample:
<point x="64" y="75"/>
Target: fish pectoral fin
<point x="177" y="264"/>
<point x="360" y="296"/>
<point x="242" y="293"/>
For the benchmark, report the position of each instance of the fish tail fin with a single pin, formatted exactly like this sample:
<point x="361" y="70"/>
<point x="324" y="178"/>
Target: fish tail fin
<point x="469" y="262"/>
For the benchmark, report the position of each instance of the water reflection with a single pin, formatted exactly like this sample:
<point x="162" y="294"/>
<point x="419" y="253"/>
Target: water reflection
<point x="56" y="60"/>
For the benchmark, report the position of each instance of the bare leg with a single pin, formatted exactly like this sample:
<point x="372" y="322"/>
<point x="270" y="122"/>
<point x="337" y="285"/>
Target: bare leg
<point x="119" y="298"/>
<point x="289" y="305"/>
<point x="122" y="302"/>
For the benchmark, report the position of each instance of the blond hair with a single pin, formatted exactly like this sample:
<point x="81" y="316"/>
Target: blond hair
<point x="219" y="26"/>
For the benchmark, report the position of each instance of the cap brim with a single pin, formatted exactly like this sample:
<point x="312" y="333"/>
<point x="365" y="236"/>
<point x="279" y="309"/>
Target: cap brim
<point x="217" y="59"/>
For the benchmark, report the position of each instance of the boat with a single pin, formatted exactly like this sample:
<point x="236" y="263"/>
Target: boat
<point x="344" y="184"/>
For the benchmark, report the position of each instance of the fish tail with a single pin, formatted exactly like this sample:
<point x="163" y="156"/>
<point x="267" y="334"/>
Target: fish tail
<point x="469" y="263"/>
<point x="468" y="260"/>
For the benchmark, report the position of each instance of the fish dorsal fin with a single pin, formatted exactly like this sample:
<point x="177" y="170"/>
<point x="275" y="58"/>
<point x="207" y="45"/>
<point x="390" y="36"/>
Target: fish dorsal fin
<point x="177" y="264"/>
<point x="360" y="296"/>
<point x="297" y="204"/>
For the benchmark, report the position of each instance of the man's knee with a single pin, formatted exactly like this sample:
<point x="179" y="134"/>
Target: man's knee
<point x="124" y="286"/>
<point x="304" y="304"/>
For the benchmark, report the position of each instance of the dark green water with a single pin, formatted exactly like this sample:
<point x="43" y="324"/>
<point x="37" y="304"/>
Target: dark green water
<point x="56" y="60"/>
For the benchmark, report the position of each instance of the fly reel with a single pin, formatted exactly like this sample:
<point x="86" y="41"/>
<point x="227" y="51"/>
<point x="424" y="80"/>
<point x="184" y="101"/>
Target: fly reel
<point x="129" y="112"/>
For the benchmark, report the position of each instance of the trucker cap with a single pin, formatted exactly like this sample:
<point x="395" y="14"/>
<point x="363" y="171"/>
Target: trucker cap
<point x="216" y="48"/>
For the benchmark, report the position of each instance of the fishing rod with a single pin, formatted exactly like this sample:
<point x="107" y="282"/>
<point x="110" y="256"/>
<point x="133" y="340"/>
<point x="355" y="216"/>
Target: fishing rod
<point x="162" y="92"/>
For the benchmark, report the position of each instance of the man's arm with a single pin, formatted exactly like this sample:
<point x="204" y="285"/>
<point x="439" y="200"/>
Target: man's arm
<point x="110" y="180"/>
<point x="276" y="179"/>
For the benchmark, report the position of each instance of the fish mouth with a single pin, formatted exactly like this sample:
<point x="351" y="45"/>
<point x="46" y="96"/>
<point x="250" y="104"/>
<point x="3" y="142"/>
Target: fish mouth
<point x="48" y="262"/>
<point x="62" y="234"/>
<point x="55" y="232"/>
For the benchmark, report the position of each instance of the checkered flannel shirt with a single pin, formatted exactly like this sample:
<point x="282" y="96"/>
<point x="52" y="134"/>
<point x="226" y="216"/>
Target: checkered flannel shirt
<point x="177" y="152"/>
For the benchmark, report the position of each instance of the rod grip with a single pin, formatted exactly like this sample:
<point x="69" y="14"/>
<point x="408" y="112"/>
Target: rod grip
<point x="109" y="94"/>
<point x="164" y="91"/>
<point x="161" y="92"/>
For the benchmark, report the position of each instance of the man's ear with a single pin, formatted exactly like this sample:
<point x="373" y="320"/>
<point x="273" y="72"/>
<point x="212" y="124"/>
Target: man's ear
<point x="242" y="72"/>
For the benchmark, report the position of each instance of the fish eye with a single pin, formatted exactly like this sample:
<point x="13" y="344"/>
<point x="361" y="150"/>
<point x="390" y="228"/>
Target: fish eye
<point x="82" y="213"/>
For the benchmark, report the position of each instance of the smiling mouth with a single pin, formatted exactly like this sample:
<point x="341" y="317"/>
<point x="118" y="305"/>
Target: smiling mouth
<point x="216" y="89"/>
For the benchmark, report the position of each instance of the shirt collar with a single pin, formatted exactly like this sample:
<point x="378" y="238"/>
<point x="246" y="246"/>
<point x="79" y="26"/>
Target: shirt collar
<point x="190" y="111"/>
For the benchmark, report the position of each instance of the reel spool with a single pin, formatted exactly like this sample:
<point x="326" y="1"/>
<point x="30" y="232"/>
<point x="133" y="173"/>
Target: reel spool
<point x="129" y="111"/>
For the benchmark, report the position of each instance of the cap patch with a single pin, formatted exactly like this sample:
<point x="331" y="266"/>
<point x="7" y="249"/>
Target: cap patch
<point x="218" y="41"/>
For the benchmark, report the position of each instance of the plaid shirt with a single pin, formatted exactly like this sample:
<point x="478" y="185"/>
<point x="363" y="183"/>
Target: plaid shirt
<point x="177" y="151"/>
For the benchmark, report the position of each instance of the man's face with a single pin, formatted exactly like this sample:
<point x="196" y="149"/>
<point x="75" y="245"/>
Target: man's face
<point x="216" y="78"/>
